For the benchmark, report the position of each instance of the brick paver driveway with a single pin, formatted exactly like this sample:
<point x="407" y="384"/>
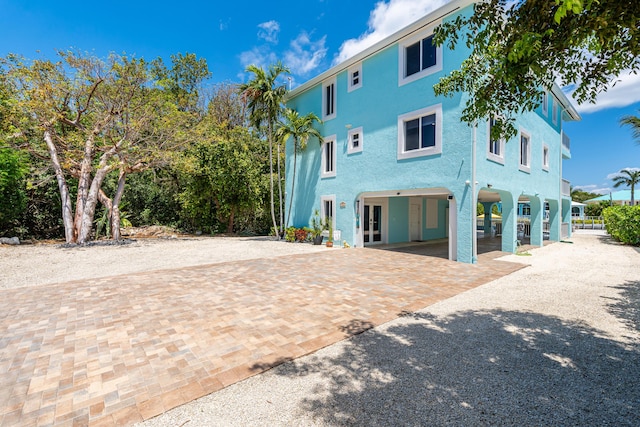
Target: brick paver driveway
<point x="117" y="350"/>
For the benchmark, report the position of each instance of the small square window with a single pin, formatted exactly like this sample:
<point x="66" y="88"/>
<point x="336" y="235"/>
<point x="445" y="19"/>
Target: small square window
<point x="354" y="140"/>
<point x="355" y="77"/>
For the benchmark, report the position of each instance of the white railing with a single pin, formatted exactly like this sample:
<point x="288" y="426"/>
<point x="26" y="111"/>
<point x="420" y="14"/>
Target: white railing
<point x="566" y="188"/>
<point x="588" y="223"/>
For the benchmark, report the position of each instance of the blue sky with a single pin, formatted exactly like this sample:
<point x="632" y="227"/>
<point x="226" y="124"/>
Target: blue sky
<point x="307" y="36"/>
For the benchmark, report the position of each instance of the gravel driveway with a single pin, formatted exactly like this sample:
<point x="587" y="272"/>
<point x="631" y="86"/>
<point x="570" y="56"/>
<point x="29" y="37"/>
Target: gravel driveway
<point x="557" y="343"/>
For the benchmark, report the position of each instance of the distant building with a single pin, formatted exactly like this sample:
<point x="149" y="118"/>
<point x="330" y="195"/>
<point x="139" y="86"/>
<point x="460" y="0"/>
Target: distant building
<point x="622" y="197"/>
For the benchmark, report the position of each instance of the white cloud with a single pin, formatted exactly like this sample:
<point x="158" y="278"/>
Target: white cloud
<point x="305" y="55"/>
<point x="625" y="92"/>
<point x="261" y="57"/>
<point x="269" y="31"/>
<point x="385" y="19"/>
<point x="615" y="174"/>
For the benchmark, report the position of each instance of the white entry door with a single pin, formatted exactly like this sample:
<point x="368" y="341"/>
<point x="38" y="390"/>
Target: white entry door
<point x="415" y="223"/>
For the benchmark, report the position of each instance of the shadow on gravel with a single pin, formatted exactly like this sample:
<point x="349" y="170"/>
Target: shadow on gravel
<point x="627" y="307"/>
<point x="476" y="368"/>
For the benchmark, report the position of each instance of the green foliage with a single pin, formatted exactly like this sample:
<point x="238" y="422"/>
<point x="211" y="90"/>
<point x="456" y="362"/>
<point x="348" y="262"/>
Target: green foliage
<point x="595" y="209"/>
<point x="13" y="197"/>
<point x="519" y="48"/>
<point x="634" y="123"/>
<point x="580" y="196"/>
<point x="623" y="223"/>
<point x="629" y="178"/>
<point x="224" y="181"/>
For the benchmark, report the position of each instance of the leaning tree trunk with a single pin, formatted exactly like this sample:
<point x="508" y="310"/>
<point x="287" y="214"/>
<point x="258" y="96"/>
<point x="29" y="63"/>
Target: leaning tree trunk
<point x="67" y="209"/>
<point x="114" y="215"/>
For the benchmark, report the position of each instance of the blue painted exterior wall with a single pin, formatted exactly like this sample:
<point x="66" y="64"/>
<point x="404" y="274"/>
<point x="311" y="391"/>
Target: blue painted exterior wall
<point x="376" y="171"/>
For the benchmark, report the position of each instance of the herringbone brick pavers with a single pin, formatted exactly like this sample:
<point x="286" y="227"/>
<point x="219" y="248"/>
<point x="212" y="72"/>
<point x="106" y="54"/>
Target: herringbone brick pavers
<point x="117" y="350"/>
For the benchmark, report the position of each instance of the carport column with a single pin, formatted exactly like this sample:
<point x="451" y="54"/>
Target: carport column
<point x="566" y="214"/>
<point x="453" y="230"/>
<point x="487" y="217"/>
<point x="537" y="216"/>
<point x="465" y="209"/>
<point x="554" y="220"/>
<point x="509" y="221"/>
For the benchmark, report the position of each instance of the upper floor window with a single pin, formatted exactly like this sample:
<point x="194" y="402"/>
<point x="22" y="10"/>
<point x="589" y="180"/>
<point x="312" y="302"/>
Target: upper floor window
<point x="329" y="99"/>
<point x="545" y="157"/>
<point x="555" y="112"/>
<point x="420" y="132"/>
<point x="495" y="147"/>
<point x="329" y="157"/>
<point x="545" y="104"/>
<point x="355" y="77"/>
<point x="354" y="140"/>
<point x="419" y="57"/>
<point x="525" y="151"/>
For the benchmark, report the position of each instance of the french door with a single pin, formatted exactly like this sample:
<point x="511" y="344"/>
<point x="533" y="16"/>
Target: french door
<point x="372" y="223"/>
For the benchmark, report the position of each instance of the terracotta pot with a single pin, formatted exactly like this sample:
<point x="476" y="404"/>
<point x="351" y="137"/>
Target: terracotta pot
<point x="329" y="244"/>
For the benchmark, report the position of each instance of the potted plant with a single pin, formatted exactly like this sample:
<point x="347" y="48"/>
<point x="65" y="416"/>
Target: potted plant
<point x="329" y="223"/>
<point x="317" y="226"/>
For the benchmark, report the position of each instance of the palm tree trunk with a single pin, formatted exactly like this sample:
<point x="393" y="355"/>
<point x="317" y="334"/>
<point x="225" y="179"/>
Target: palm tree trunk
<point x="273" y="213"/>
<point x="280" y="192"/>
<point x="293" y="182"/>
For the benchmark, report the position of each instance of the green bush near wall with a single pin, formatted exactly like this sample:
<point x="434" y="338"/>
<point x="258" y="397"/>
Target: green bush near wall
<point x="623" y="223"/>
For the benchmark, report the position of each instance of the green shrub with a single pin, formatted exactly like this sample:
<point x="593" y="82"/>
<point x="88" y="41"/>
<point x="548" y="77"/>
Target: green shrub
<point x="623" y="223"/>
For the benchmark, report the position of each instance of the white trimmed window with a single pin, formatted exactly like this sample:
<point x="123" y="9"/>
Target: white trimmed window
<point x="555" y="112"/>
<point x="355" y="77"/>
<point x="495" y="147"/>
<point x="354" y="140"/>
<point x="329" y="157"/>
<point x="420" y="133"/>
<point x="328" y="208"/>
<point x="419" y="57"/>
<point x="545" y="104"/>
<point x="525" y="151"/>
<point x="545" y="157"/>
<point x="329" y="99"/>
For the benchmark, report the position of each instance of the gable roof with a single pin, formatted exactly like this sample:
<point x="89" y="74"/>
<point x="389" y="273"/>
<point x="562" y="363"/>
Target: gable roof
<point x="618" y="196"/>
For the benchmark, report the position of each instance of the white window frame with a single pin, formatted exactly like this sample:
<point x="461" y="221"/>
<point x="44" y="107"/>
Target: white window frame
<point x="501" y="145"/>
<point x="327" y="141"/>
<point x="525" y="167"/>
<point x="420" y="152"/>
<point x="403" y="79"/>
<point x="555" y="112"/>
<point x="325" y="101"/>
<point x="350" y="85"/>
<point x="350" y="148"/>
<point x="545" y="157"/>
<point x="545" y="104"/>
<point x="323" y="214"/>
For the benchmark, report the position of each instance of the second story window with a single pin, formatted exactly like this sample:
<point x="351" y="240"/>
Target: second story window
<point x="329" y="100"/>
<point x="554" y="111"/>
<point x="545" y="104"/>
<point x="329" y="157"/>
<point x="419" y="133"/>
<point x="545" y="157"/>
<point x="495" y="147"/>
<point x="525" y="151"/>
<point x="354" y="141"/>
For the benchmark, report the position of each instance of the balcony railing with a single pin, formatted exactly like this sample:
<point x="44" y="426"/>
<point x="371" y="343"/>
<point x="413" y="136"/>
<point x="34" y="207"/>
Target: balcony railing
<point x="566" y="188"/>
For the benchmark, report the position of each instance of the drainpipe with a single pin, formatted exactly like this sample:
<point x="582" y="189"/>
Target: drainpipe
<point x="474" y="200"/>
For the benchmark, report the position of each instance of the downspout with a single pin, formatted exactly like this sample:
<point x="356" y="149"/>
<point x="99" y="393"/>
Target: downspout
<point x="474" y="200"/>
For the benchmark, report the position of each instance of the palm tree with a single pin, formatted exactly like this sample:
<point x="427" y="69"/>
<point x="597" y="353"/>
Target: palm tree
<point x="628" y="178"/>
<point x="634" y="122"/>
<point x="265" y="105"/>
<point x="300" y="128"/>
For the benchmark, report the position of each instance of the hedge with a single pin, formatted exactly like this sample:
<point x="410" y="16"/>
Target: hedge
<point x="623" y="223"/>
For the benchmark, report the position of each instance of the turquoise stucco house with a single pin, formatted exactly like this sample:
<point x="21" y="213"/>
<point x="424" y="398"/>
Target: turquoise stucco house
<point x="398" y="165"/>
